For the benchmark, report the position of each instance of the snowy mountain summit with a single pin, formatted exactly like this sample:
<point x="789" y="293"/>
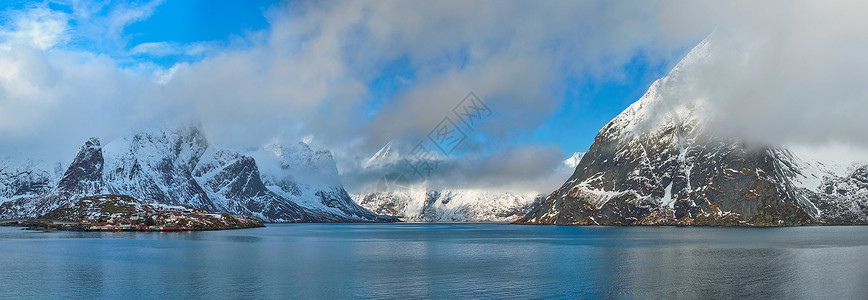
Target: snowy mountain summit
<point x="660" y="163"/>
<point x="574" y="160"/>
<point x="276" y="183"/>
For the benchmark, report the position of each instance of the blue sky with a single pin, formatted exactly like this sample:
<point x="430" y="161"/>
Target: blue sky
<point x="200" y="20"/>
<point x="192" y="21"/>
<point x="352" y="75"/>
<point x="589" y="104"/>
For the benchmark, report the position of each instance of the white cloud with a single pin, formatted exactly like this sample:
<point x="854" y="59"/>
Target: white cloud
<point x="40" y="28"/>
<point x="787" y="72"/>
<point x="521" y="169"/>
<point x="99" y="25"/>
<point x="155" y="49"/>
<point x="162" y="49"/>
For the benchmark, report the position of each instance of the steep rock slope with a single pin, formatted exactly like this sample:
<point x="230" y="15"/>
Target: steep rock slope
<point x="179" y="166"/>
<point x="82" y="178"/>
<point x="232" y="181"/>
<point x="658" y="162"/>
<point x="156" y="164"/>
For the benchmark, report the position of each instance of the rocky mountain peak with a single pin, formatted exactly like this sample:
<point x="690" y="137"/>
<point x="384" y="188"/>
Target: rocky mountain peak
<point x="385" y="156"/>
<point x="84" y="174"/>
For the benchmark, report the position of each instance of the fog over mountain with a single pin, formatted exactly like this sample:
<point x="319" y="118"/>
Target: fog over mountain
<point x="784" y="73"/>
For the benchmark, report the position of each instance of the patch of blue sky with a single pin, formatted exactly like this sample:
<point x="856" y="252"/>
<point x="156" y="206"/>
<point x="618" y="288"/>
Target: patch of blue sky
<point x="591" y="102"/>
<point x="183" y="24"/>
<point x="394" y="76"/>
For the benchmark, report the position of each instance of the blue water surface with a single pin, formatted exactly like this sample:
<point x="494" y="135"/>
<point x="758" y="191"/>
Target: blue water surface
<point x="407" y="260"/>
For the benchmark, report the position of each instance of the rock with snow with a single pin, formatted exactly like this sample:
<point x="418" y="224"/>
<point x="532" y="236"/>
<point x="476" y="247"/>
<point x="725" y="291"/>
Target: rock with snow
<point x="83" y="177"/>
<point x="309" y="177"/>
<point x="235" y="186"/>
<point x="179" y="166"/>
<point x="22" y="177"/>
<point x="156" y="164"/>
<point x="658" y="163"/>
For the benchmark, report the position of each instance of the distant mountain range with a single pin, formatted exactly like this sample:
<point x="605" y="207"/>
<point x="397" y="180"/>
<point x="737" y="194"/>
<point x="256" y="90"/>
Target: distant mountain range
<point x="660" y="163"/>
<point x="417" y="202"/>
<point x="276" y="183"/>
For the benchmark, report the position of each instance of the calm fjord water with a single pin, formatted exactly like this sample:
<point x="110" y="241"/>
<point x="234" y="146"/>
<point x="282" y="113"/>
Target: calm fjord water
<point x="438" y="261"/>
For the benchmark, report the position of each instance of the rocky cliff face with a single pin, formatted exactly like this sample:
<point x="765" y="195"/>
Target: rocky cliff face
<point x="179" y="166"/>
<point x="658" y="163"/>
<point x="84" y="175"/>
<point x="235" y="186"/>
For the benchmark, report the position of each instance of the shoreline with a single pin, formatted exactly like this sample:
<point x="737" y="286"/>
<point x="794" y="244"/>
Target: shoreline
<point x="48" y="225"/>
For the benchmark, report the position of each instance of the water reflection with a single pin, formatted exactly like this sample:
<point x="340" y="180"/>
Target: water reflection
<point x="438" y="261"/>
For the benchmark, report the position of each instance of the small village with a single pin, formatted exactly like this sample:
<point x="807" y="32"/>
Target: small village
<point x="147" y="221"/>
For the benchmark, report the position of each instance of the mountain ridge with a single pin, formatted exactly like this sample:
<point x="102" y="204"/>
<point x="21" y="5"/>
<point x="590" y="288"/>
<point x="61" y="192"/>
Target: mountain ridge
<point x="179" y="166"/>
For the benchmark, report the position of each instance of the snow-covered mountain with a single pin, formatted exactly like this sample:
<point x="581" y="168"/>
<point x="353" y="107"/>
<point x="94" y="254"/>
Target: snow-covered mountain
<point x="416" y="202"/>
<point x="156" y="164"/>
<point x="384" y="157"/>
<point x="458" y="205"/>
<point x="26" y="177"/>
<point x="179" y="166"/>
<point x="82" y="178"/>
<point x="574" y="160"/>
<point x="659" y="162"/>
<point x="309" y="178"/>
